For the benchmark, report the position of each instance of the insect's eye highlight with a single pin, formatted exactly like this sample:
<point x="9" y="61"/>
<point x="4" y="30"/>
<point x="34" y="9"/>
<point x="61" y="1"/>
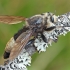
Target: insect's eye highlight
<point x="52" y="19"/>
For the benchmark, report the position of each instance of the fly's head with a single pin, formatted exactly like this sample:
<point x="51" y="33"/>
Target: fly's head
<point x="49" y="21"/>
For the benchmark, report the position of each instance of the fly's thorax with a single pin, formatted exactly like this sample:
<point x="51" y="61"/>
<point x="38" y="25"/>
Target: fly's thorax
<point x="35" y="22"/>
<point x="42" y="21"/>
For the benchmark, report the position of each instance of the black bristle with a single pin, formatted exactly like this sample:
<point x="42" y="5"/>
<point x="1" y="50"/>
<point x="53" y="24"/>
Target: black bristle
<point x="0" y="68"/>
<point x="50" y="28"/>
<point x="42" y="14"/>
<point x="3" y="68"/>
<point x="44" y="38"/>
<point x="6" y="55"/>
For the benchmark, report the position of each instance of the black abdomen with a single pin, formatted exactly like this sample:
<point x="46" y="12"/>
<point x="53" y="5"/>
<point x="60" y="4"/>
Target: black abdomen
<point x="6" y="55"/>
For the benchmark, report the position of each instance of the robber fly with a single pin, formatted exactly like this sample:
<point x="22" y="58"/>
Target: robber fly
<point x="34" y="25"/>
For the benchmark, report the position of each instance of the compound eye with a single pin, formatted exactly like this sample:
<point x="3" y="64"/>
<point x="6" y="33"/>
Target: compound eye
<point x="52" y="19"/>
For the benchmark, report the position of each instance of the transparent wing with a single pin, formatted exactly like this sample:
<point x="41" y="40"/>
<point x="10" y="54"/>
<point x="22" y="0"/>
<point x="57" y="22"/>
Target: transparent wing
<point x="11" y="19"/>
<point x="21" y="41"/>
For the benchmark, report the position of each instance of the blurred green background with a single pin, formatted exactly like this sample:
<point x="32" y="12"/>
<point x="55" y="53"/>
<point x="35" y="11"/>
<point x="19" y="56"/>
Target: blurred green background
<point x="57" y="56"/>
